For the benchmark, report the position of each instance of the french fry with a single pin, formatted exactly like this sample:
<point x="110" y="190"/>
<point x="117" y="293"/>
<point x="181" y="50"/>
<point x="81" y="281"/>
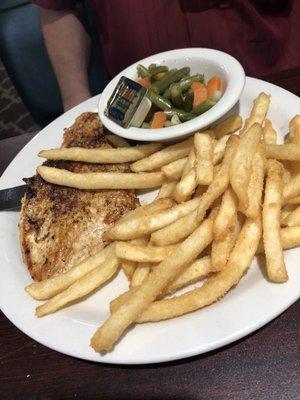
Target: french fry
<point x="292" y="219"/>
<point x="290" y="237"/>
<point x="190" y="162"/>
<point x="176" y="231"/>
<point x="240" y="168"/>
<point x="117" y="141"/>
<point x="219" y="149"/>
<point x="294" y="137"/>
<point x="204" y="158"/>
<point x="82" y="287"/>
<point x="226" y="215"/>
<point x="221" y="248"/>
<point x="175" y="169"/>
<point x="187" y="184"/>
<point x="100" y="180"/>
<point x="221" y="180"/>
<point x="167" y="190"/>
<point x="286" y="177"/>
<point x="185" y="187"/>
<point x="287" y="151"/>
<point x="147" y="209"/>
<point x="198" y="270"/>
<point x="50" y="287"/>
<point x="294" y="130"/>
<point x="108" y="334"/>
<point x="163" y="157"/>
<point x="294" y="200"/>
<point x="258" y="112"/>
<point x="256" y="182"/>
<point x="215" y="286"/>
<point x="128" y="267"/>
<point x="140" y="274"/>
<point x="285" y="212"/>
<point x="142" y="254"/>
<point x="228" y="126"/>
<point x="217" y="169"/>
<point x="143" y="225"/>
<point x="101" y="155"/>
<point x="183" y="227"/>
<point x="271" y="223"/>
<point x="268" y="133"/>
<point x="291" y="188"/>
<point x="117" y="302"/>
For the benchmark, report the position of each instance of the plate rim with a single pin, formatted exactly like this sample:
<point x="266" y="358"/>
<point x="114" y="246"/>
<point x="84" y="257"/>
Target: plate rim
<point x="157" y="360"/>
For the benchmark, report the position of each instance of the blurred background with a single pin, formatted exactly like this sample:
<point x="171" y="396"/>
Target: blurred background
<point x="16" y="17"/>
<point x="14" y="116"/>
<point x="29" y="94"/>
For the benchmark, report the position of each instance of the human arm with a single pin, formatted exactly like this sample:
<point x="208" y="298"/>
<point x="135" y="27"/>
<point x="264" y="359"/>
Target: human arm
<point x="68" y="46"/>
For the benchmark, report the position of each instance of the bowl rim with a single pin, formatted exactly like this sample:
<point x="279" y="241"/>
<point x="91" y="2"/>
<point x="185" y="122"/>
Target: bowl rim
<point x="228" y="63"/>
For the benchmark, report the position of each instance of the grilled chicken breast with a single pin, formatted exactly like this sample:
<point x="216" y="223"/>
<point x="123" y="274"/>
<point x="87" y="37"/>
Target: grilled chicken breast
<point x="60" y="226"/>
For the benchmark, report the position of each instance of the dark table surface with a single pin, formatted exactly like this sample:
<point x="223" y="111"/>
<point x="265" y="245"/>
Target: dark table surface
<point x="264" y="365"/>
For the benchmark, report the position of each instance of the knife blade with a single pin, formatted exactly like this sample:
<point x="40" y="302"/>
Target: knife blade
<point x="11" y="198"/>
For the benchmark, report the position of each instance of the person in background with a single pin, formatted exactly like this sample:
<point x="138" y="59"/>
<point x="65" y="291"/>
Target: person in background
<point x="262" y="34"/>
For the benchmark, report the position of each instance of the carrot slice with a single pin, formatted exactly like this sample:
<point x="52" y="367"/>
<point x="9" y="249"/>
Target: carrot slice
<point x="145" y="82"/>
<point x="159" y="120"/>
<point x="213" y="84"/>
<point x="200" y="93"/>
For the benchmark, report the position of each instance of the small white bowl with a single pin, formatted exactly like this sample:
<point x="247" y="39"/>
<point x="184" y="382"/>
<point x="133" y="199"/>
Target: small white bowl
<point x="204" y="61"/>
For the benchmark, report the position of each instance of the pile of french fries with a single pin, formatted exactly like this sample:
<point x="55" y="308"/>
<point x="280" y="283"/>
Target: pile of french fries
<point x="223" y="198"/>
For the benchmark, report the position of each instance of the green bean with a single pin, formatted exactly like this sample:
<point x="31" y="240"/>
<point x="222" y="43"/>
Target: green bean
<point x="158" y="100"/>
<point x="186" y="83"/>
<point x="188" y="101"/>
<point x="172" y="94"/>
<point x="176" y="95"/>
<point x="183" y="115"/>
<point x="157" y="70"/>
<point x="142" y="71"/>
<point x="151" y="66"/>
<point x="204" y="106"/>
<point x="185" y="77"/>
<point x="167" y="93"/>
<point x="170" y="77"/>
<point x="153" y="89"/>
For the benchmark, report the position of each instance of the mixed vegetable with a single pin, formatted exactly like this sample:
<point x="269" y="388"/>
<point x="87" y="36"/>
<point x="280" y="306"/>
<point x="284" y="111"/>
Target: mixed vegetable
<point x="176" y="95"/>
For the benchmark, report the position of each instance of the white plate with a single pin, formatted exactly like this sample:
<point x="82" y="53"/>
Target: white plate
<point x="252" y="304"/>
